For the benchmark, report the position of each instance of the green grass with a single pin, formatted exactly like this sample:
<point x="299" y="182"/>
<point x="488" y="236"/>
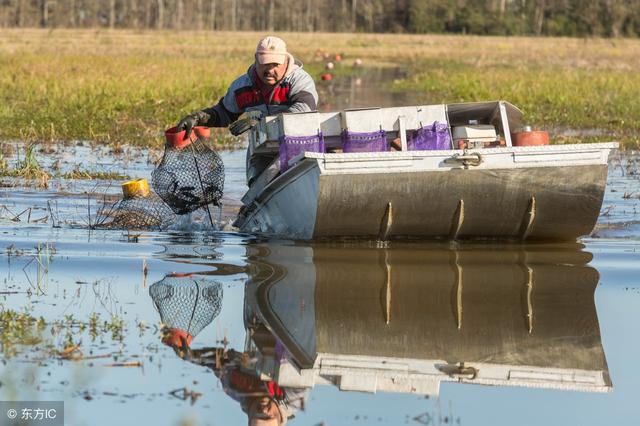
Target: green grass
<point x="551" y="98"/>
<point x="105" y="92"/>
<point x="120" y="87"/>
<point x="92" y="103"/>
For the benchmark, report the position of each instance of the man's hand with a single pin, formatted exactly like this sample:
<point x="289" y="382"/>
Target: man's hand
<point x="198" y="118"/>
<point x="240" y="126"/>
<point x="188" y="123"/>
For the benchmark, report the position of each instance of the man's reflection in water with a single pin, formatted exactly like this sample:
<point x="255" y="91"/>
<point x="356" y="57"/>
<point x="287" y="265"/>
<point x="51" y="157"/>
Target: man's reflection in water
<point x="262" y="399"/>
<point x="186" y="306"/>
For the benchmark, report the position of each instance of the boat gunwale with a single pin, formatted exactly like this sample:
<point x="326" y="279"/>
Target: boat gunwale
<point x="555" y="149"/>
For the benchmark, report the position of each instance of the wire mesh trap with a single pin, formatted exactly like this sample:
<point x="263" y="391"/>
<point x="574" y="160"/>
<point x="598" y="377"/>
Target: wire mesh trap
<point x="140" y="209"/>
<point x="190" y="175"/>
<point x="186" y="305"/>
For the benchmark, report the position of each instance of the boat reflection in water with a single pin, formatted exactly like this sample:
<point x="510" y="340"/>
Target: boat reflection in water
<point x="406" y="319"/>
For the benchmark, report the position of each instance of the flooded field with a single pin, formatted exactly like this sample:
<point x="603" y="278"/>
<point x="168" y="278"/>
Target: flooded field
<point x="443" y="334"/>
<point x="197" y="324"/>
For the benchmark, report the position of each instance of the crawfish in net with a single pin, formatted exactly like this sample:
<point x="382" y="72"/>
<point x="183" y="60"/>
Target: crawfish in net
<point x="186" y="305"/>
<point x="190" y="174"/>
<point x="136" y="213"/>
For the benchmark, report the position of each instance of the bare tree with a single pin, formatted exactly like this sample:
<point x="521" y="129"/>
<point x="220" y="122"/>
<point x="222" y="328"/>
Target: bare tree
<point x="309" y="16"/>
<point x="112" y="13"/>
<point x="20" y="12"/>
<point x="147" y="14"/>
<point x="179" y="17"/>
<point x="270" y="18"/>
<point x="160" y="21"/>
<point x="354" y="8"/>
<point x="617" y="13"/>
<point x="199" y="14"/>
<point x="613" y="18"/>
<point x="538" y="16"/>
<point x="234" y="8"/>
<point x="132" y="15"/>
<point x="212" y="17"/>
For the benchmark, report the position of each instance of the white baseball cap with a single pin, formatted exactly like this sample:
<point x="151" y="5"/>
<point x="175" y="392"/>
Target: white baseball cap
<point x="271" y="50"/>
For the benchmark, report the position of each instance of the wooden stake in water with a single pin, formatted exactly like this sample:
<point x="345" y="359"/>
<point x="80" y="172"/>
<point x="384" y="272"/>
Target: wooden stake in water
<point x="206" y="206"/>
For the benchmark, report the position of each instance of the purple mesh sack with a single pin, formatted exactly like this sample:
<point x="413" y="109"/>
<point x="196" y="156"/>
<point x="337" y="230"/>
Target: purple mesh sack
<point x="430" y="138"/>
<point x="290" y="146"/>
<point x="364" y="142"/>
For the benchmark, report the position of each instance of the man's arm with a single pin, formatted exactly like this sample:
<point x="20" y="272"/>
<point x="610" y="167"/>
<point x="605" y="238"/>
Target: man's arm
<point x="222" y="114"/>
<point x="304" y="97"/>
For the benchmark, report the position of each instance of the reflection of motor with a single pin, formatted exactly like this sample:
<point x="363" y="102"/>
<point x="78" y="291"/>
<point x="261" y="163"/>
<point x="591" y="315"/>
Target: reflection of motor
<point x="190" y="175"/>
<point x="186" y="306"/>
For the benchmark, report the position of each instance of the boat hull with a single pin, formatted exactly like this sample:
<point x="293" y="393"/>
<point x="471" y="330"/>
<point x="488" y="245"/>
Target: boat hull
<point x="534" y="203"/>
<point x="511" y="196"/>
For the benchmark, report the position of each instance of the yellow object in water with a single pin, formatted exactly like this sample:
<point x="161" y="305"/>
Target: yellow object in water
<point x="135" y="188"/>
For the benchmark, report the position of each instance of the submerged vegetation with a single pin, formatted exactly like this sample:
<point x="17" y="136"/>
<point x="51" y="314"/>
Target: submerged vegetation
<point x="60" y="338"/>
<point x="80" y="173"/>
<point x="19" y="328"/>
<point x="26" y="166"/>
<point x="123" y="86"/>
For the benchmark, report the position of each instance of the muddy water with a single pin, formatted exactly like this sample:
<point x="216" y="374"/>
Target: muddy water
<point x="444" y="334"/>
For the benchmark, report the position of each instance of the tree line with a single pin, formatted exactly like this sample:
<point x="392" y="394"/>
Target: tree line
<point x="606" y="18"/>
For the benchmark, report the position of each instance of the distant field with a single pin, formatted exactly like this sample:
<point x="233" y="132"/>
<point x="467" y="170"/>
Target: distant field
<point x="126" y="86"/>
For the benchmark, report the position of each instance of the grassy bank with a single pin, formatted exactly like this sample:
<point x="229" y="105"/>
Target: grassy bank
<point x="126" y="86"/>
<point x="589" y="84"/>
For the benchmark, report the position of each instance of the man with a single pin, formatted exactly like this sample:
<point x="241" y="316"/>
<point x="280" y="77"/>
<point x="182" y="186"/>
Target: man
<point x="265" y="411"/>
<point x="264" y="401"/>
<point x="275" y="83"/>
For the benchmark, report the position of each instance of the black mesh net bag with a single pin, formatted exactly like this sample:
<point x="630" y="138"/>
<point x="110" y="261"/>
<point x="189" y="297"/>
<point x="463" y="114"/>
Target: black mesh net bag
<point x="186" y="305"/>
<point x="190" y="175"/>
<point x="139" y="209"/>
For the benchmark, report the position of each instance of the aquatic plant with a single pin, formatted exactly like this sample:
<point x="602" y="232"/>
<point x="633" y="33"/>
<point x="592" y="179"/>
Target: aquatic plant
<point x="19" y="329"/>
<point x="26" y="167"/>
<point x="3" y="164"/>
<point x="80" y="173"/>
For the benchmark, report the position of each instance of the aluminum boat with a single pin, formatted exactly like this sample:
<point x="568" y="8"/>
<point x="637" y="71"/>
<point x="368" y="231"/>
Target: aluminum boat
<point x="455" y="190"/>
